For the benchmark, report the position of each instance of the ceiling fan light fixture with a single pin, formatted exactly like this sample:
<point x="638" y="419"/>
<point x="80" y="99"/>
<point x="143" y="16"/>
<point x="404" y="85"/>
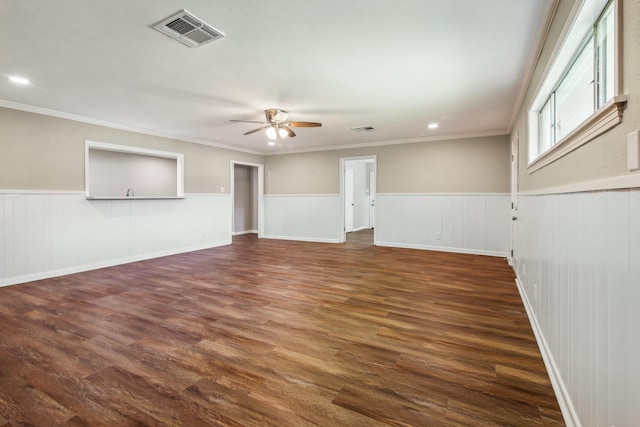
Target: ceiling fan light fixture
<point x="271" y="133"/>
<point x="276" y="125"/>
<point x="281" y="116"/>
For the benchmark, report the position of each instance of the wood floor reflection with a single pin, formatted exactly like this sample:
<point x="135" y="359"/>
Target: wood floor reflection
<point x="280" y="333"/>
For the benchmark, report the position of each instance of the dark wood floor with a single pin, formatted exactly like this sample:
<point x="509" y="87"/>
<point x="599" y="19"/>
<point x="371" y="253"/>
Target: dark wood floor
<point x="360" y="238"/>
<point x="266" y="332"/>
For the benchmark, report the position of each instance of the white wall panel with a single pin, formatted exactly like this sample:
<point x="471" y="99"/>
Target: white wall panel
<point x="471" y="223"/>
<point x="303" y="217"/>
<point x="578" y="268"/>
<point x="633" y="303"/>
<point x="44" y="235"/>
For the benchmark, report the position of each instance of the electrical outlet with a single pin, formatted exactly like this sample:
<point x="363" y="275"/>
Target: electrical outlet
<point x="535" y="292"/>
<point x="222" y="189"/>
<point x="438" y="236"/>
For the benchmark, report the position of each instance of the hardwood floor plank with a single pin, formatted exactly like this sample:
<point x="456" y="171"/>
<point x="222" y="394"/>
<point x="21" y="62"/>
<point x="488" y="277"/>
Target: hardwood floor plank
<point x="238" y="408"/>
<point x="42" y="409"/>
<point x="148" y="403"/>
<point x="275" y="333"/>
<point x="385" y="405"/>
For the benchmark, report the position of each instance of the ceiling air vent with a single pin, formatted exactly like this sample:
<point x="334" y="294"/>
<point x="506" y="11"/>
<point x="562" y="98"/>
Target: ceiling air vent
<point x="363" y="128"/>
<point x="188" y="30"/>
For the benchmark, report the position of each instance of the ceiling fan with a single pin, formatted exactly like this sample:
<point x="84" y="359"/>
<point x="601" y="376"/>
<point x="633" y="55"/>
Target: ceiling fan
<point x="277" y="126"/>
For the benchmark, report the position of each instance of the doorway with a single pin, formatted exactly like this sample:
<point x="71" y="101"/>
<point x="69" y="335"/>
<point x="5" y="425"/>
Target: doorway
<point x="358" y="190"/>
<point x="247" y="189"/>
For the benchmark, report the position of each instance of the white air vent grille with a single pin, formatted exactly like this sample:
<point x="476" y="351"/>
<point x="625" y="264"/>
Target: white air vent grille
<point x="188" y="30"/>
<point x="363" y="128"/>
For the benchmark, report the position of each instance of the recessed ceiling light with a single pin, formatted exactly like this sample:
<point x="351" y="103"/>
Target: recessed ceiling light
<point x="19" y="80"/>
<point x="433" y="126"/>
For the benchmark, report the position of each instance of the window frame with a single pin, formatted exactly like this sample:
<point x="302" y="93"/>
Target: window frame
<point x="562" y="59"/>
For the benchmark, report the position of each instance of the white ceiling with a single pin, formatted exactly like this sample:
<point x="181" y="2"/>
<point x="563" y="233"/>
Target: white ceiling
<point x="394" y="65"/>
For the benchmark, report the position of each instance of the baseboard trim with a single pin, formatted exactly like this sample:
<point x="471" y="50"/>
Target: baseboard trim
<point x="110" y="263"/>
<point x="440" y="194"/>
<point x="301" y="195"/>
<point x="302" y="239"/>
<point x="442" y="249"/>
<point x="564" y="399"/>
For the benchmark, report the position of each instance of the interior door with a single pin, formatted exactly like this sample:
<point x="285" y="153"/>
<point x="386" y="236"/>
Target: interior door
<point x="372" y="198"/>
<point x="514" y="198"/>
<point x="348" y="200"/>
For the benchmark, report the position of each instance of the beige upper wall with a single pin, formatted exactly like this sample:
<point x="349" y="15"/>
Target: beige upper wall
<point x="39" y="152"/>
<point x="471" y="165"/>
<point x="605" y="156"/>
<point x="47" y="153"/>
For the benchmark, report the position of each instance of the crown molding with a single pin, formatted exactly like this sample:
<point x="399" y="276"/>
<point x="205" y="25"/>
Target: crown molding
<point x="90" y="120"/>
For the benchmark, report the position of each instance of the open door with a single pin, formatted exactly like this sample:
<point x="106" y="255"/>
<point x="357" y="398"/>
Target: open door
<point x="372" y="199"/>
<point x="349" y="203"/>
<point x="514" y="199"/>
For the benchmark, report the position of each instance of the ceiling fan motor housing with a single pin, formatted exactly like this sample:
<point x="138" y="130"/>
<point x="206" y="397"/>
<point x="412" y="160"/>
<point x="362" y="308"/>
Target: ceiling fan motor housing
<point x="276" y="115"/>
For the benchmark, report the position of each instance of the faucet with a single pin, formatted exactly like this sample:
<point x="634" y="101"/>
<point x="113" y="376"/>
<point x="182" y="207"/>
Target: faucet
<point x="130" y="192"/>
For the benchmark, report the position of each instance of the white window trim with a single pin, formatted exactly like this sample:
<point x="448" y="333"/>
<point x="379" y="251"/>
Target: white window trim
<point x="604" y="119"/>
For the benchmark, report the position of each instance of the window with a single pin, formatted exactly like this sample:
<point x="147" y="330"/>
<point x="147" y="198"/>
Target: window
<point x="605" y="56"/>
<point x="577" y="101"/>
<point x="574" y="96"/>
<point x="547" y="126"/>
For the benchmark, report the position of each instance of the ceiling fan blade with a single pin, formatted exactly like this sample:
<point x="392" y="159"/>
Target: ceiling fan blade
<point x="289" y="131"/>
<point x="257" y="130"/>
<point x="303" y="124"/>
<point x="247" y="121"/>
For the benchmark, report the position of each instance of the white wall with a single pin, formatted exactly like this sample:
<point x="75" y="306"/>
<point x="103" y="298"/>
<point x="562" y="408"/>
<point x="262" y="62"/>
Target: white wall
<point x="578" y="264"/>
<point x="469" y="223"/>
<point x="314" y="218"/>
<point x="49" y="234"/>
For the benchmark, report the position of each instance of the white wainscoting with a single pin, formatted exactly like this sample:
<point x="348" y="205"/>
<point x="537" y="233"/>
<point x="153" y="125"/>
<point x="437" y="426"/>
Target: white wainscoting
<point x="578" y="265"/>
<point x="314" y="218"/>
<point x="468" y="223"/>
<point x="50" y="234"/>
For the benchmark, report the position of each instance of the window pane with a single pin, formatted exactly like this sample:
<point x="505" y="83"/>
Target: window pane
<point x="545" y="127"/>
<point x="605" y="57"/>
<point x="575" y="95"/>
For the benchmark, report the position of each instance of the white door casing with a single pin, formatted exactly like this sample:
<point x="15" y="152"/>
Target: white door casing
<point x="343" y="196"/>
<point x="260" y="197"/>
